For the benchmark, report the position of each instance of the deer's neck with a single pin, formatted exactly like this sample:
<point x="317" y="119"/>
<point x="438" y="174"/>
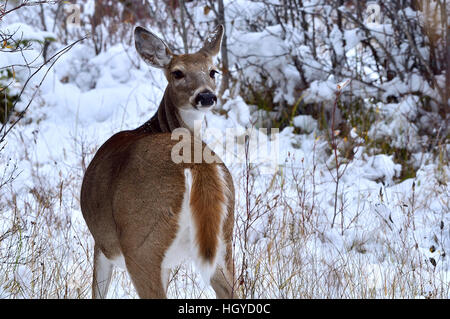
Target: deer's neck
<point x="166" y="118"/>
<point x="169" y="117"/>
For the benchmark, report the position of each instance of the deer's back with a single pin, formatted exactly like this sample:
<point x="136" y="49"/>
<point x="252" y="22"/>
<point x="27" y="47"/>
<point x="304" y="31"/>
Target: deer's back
<point x="132" y="188"/>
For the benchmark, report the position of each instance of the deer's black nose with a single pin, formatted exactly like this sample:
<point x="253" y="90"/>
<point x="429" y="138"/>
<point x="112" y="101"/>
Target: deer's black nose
<point x="206" y="98"/>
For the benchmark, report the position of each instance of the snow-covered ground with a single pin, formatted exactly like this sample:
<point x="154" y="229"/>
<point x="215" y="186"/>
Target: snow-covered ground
<point x="383" y="238"/>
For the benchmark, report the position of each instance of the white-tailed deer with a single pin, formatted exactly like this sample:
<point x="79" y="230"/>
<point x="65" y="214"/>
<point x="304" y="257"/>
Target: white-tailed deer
<point x="148" y="213"/>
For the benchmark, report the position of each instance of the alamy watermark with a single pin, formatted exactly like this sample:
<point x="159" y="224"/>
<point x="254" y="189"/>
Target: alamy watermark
<point x="74" y="14"/>
<point x="373" y="11"/>
<point x="232" y="145"/>
<point x="73" y="10"/>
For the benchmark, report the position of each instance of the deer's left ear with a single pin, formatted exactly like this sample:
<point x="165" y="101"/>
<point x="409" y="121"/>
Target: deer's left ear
<point x="213" y="41"/>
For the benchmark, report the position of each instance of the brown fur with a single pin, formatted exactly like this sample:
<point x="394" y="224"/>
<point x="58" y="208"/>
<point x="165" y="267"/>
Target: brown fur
<point x="131" y="199"/>
<point x="207" y="200"/>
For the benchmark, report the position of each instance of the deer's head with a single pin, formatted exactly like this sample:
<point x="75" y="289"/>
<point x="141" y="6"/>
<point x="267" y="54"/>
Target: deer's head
<point x="191" y="77"/>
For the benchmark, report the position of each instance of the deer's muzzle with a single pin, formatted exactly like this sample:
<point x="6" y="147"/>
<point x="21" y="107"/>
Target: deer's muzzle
<point x="205" y="99"/>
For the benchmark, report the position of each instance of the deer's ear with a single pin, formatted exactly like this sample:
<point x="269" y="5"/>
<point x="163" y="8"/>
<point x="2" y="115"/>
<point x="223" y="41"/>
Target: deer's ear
<point x="151" y="48"/>
<point x="213" y="41"/>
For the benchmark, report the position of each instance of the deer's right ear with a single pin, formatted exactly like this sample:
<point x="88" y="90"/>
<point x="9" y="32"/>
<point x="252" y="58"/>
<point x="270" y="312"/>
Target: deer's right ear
<point x="151" y="48"/>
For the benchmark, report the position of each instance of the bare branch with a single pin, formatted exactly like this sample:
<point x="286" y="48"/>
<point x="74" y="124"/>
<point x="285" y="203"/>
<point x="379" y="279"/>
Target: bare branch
<point x="53" y="60"/>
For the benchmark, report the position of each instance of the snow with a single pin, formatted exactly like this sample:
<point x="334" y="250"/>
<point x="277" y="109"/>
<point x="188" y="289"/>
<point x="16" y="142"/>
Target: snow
<point x="305" y="122"/>
<point x="22" y="31"/>
<point x="321" y="91"/>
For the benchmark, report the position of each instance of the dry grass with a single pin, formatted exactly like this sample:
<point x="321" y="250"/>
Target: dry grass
<point x="284" y="245"/>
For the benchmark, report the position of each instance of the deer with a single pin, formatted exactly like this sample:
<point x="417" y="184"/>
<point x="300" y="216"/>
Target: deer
<point x="148" y="214"/>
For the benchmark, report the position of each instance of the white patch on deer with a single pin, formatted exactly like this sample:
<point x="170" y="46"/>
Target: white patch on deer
<point x="189" y="115"/>
<point x="184" y="246"/>
<point x="118" y="261"/>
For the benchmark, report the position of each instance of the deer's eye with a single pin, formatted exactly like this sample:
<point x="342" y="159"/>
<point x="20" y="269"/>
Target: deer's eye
<point x="212" y="74"/>
<point x="178" y="74"/>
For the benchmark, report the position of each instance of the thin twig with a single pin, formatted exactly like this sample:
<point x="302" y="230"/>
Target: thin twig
<point x="28" y="4"/>
<point x="55" y="57"/>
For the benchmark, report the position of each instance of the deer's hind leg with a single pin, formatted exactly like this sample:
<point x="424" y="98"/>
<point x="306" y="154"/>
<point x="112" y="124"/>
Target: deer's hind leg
<point x="143" y="258"/>
<point x="102" y="274"/>
<point x="145" y="274"/>
<point x="222" y="281"/>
